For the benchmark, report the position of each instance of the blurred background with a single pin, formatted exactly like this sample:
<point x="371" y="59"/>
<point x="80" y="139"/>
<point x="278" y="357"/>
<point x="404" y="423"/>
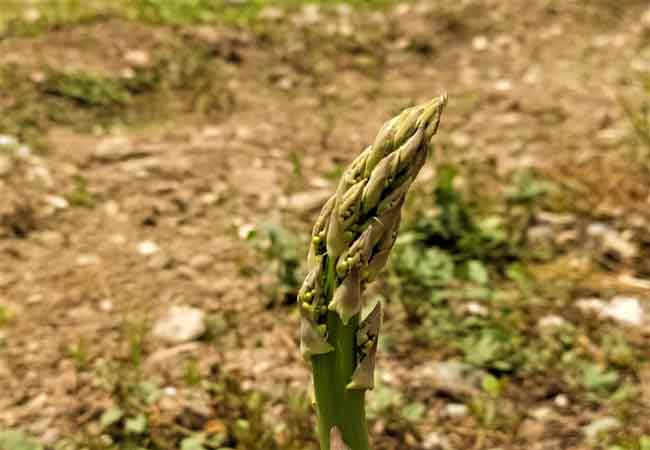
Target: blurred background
<point x="161" y="164"/>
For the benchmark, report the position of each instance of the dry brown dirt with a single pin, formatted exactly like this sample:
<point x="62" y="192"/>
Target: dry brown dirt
<point x="530" y="84"/>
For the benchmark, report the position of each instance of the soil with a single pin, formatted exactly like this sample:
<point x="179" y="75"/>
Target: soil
<point x="531" y="84"/>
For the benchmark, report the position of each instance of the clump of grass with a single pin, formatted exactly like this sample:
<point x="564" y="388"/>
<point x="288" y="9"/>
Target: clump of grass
<point x="80" y="195"/>
<point x="456" y="249"/>
<point x="88" y="89"/>
<point x="88" y="102"/>
<point x="19" y="18"/>
<point x="18" y="440"/>
<point x="6" y="315"/>
<point x="640" y="120"/>
<point x="282" y="249"/>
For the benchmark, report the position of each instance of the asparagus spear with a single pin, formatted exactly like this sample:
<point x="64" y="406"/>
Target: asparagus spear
<point x="351" y="242"/>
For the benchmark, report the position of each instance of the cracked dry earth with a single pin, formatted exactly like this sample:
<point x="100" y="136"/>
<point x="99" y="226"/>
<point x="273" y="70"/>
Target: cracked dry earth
<point x="529" y="85"/>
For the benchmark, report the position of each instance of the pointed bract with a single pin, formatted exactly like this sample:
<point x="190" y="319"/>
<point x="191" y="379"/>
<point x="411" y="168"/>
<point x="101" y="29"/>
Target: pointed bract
<point x="318" y="244"/>
<point x="378" y="182"/>
<point x="347" y="297"/>
<point x="364" y="375"/>
<point x="312" y="342"/>
<point x="382" y="146"/>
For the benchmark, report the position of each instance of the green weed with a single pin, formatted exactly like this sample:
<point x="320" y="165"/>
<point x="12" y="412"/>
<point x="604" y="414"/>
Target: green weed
<point x="19" y="18"/>
<point x="6" y="315"/>
<point x="80" y="195"/>
<point x="17" y="440"/>
<point x="88" y="89"/>
<point x="283" y="250"/>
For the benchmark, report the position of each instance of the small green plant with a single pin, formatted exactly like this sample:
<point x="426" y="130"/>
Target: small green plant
<point x="80" y="195"/>
<point x="78" y="352"/>
<point x="640" y="120"/>
<point x="88" y="89"/>
<point x="487" y="407"/>
<point x="17" y="440"/>
<point x="193" y="376"/>
<point x="6" y="316"/>
<point x="351" y="242"/>
<point x="282" y="249"/>
<point x="598" y="379"/>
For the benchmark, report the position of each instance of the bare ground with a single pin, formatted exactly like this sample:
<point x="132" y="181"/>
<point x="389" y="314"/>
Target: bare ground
<point x="530" y="85"/>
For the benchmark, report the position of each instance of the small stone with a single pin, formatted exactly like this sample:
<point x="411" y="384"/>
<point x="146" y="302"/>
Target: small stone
<point x="551" y="322"/>
<point x="160" y="261"/>
<point x="453" y="377"/>
<point x="561" y="401"/>
<point x="137" y="58"/>
<point x="170" y="391"/>
<point x="597" y="428"/>
<point x="540" y="234"/>
<point x="531" y="430"/>
<point x="111" y="208"/>
<point x="479" y="43"/>
<point x="306" y="201"/>
<point x="271" y="13"/>
<point x="344" y="10"/>
<point x="460" y="139"/>
<point x="38" y="76"/>
<point x="634" y="282"/>
<point x="476" y="309"/>
<point x="35" y="299"/>
<point x="201" y="261"/>
<point x="543" y="413"/>
<point x="8" y="141"/>
<point x="180" y="324"/>
<point x="436" y="441"/>
<point x="555" y="218"/>
<point x="455" y="410"/>
<point x="106" y="305"/>
<point x="210" y="198"/>
<point x="594" y="305"/>
<point x="23" y="152"/>
<point x="87" y="260"/>
<point x="503" y="85"/>
<point x="147" y="248"/>
<point x="50" y="238"/>
<point x="246" y="231"/>
<point x="597" y="229"/>
<point x="57" y="202"/>
<point x="626" y="310"/>
<point x="310" y="15"/>
<point x="613" y="242"/>
<point x="118" y="239"/>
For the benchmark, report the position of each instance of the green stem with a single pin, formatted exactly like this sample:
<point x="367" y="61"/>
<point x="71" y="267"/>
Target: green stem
<point x="336" y="405"/>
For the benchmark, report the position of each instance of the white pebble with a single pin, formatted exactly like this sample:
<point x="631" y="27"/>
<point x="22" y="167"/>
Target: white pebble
<point x="245" y="231"/>
<point x="8" y="141"/>
<point x="561" y="401"/>
<point x="106" y="305"/>
<point x="147" y="248"/>
<point x="476" y="309"/>
<point x="627" y="310"/>
<point x="551" y="321"/>
<point x="479" y="43"/>
<point x="180" y="324"/>
<point x="57" y="202"/>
